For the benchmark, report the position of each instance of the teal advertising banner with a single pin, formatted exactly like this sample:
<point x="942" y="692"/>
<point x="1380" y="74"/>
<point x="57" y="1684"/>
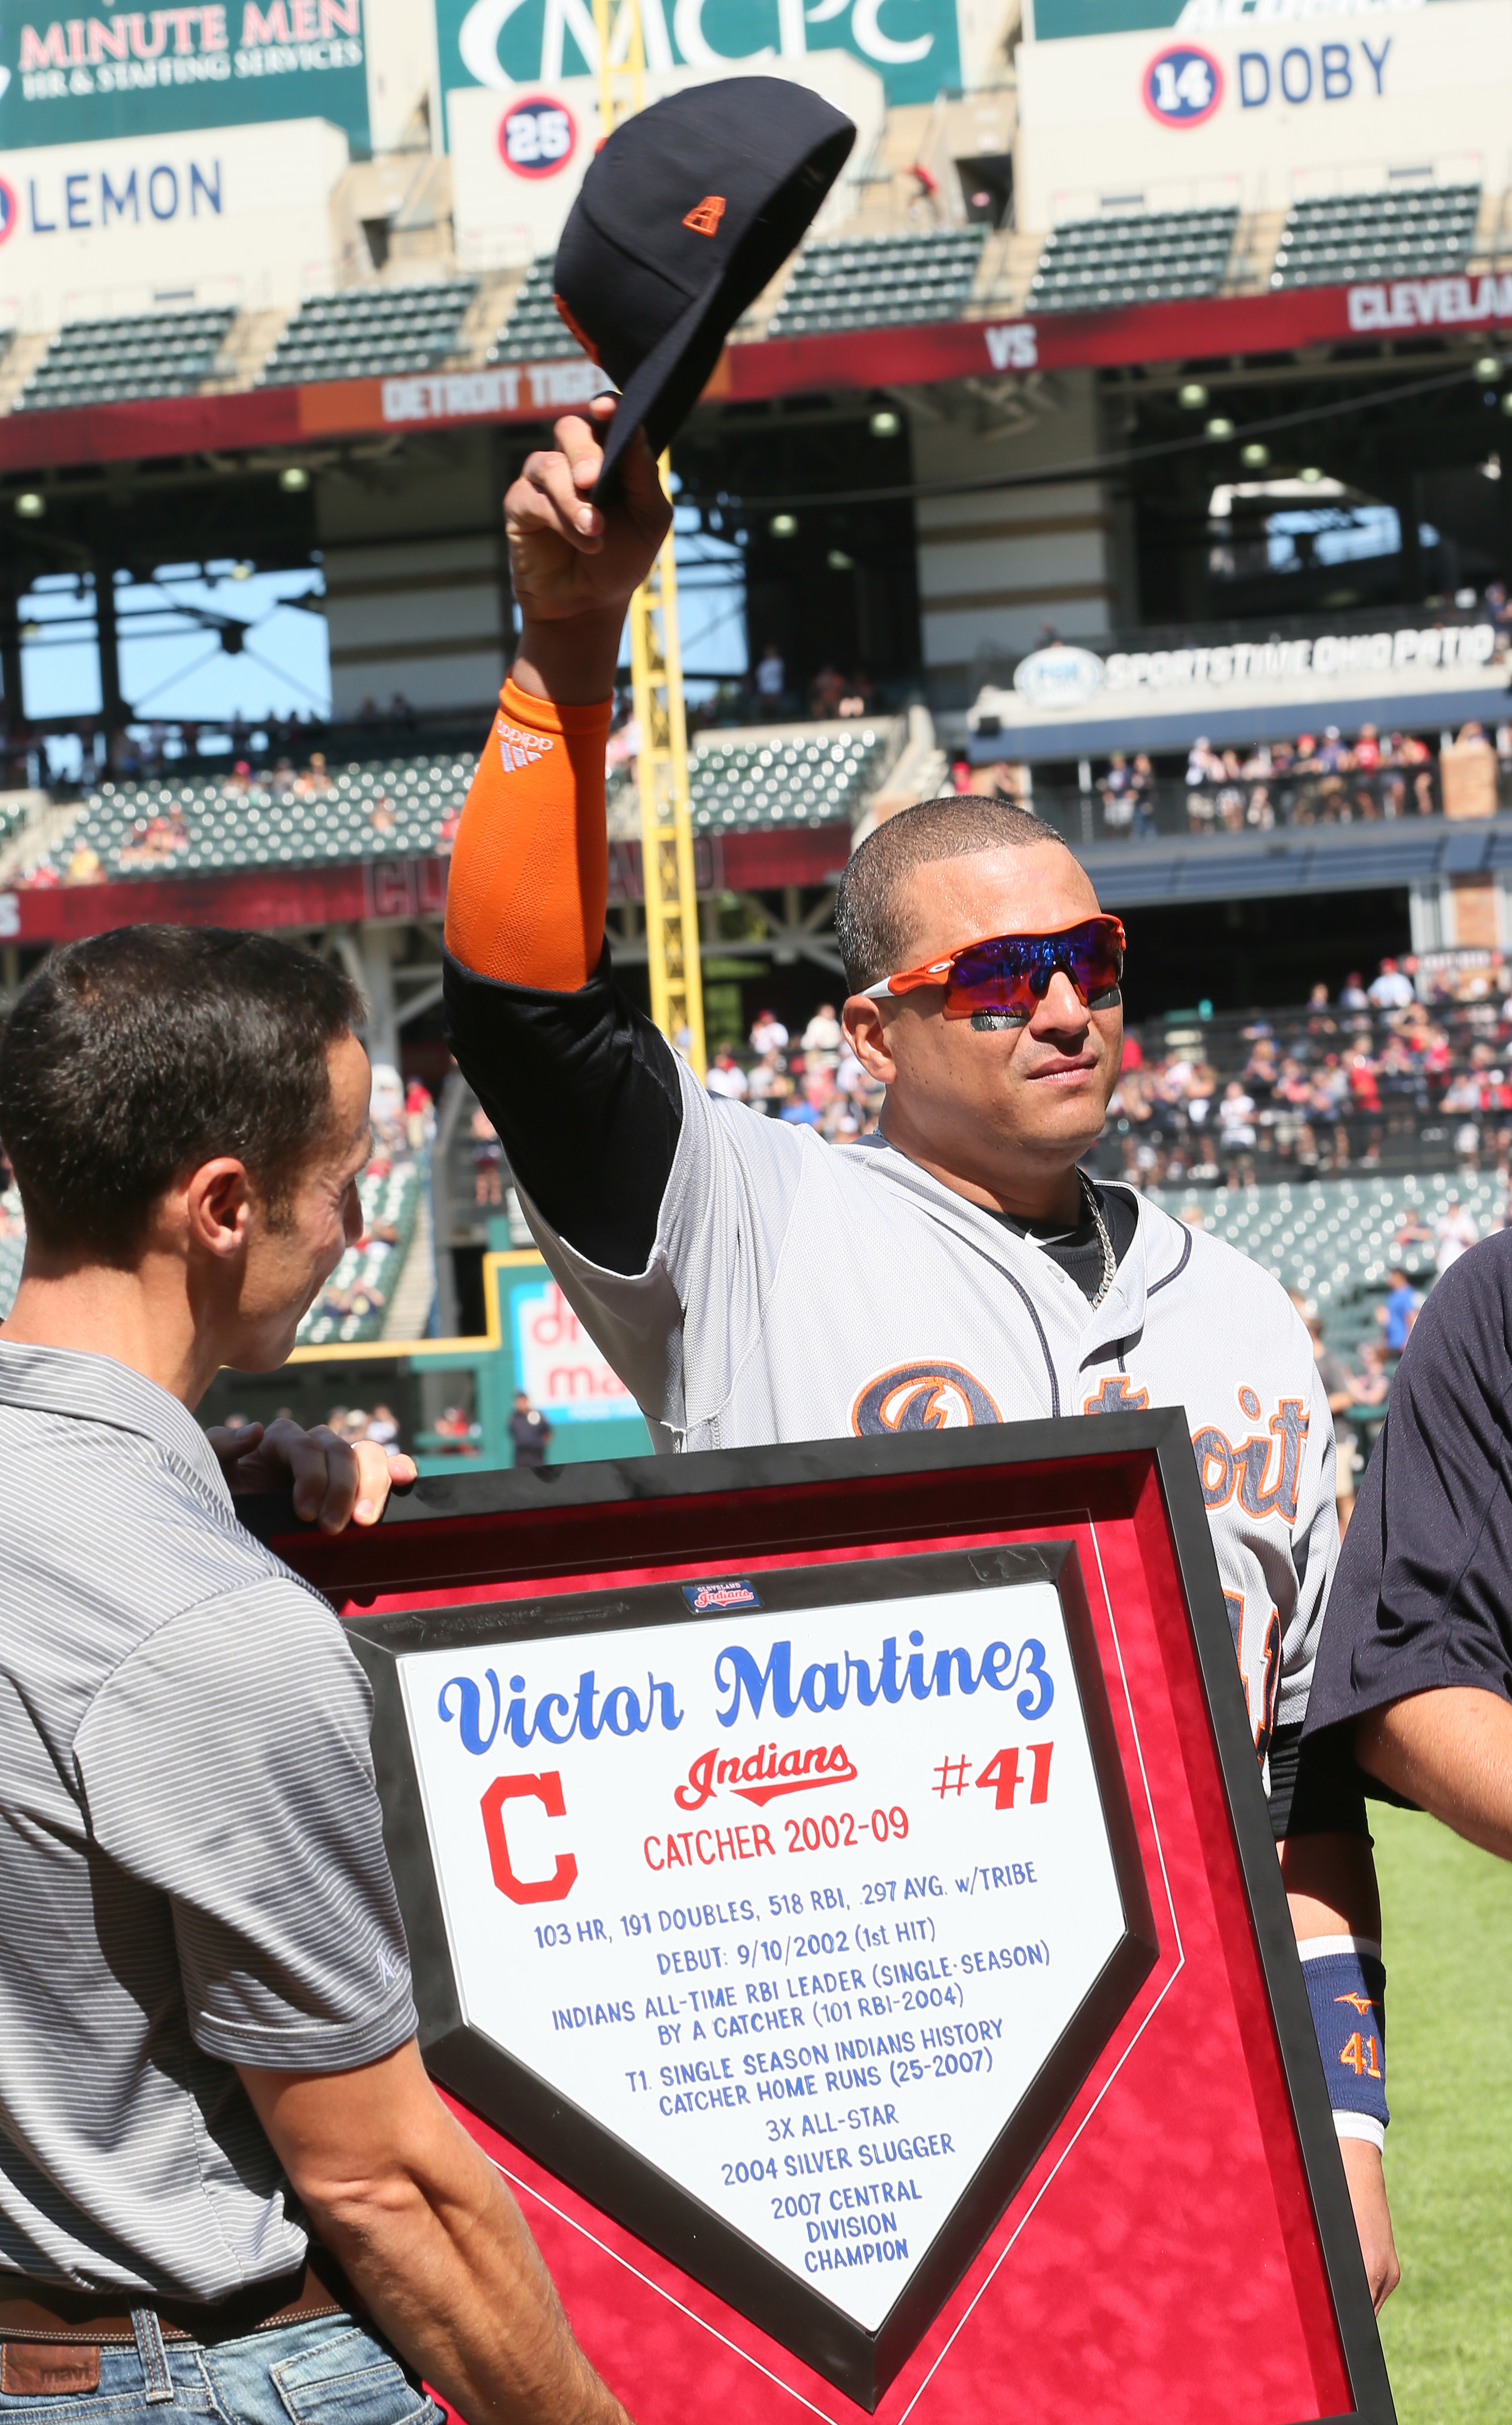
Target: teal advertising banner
<point x="167" y="70"/>
<point x="913" y="45"/>
<point x="1058" y="20"/>
<point x="1054" y="21"/>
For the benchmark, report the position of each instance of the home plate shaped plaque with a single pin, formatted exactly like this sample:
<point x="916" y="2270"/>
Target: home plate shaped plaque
<point x="841" y="1899"/>
<point x="784" y="1914"/>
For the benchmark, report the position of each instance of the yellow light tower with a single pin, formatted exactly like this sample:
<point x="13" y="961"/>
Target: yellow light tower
<point x="666" y="825"/>
<point x="621" y="64"/>
<point x="656" y="667"/>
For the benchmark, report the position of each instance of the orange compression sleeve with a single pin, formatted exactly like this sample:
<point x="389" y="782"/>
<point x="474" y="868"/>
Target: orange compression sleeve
<point x="530" y="872"/>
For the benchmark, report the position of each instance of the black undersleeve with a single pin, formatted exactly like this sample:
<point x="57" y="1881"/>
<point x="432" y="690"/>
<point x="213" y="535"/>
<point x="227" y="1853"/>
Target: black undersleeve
<point x="585" y="1094"/>
<point x="1314" y="1788"/>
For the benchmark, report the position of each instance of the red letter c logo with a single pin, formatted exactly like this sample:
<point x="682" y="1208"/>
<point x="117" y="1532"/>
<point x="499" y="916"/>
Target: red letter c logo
<point x="546" y="1789"/>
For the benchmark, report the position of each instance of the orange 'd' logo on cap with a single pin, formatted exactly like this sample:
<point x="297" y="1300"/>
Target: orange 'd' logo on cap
<point x="704" y="217"/>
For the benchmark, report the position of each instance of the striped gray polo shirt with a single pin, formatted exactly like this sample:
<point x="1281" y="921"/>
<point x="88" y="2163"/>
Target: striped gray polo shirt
<point x="192" y="1870"/>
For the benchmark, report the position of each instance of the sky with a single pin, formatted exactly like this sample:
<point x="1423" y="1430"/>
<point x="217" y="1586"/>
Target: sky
<point x="173" y="668"/>
<point x="710" y="602"/>
<point x="284" y="664"/>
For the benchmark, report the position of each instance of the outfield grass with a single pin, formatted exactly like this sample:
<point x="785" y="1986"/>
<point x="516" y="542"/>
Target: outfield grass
<point x="1448" y="1930"/>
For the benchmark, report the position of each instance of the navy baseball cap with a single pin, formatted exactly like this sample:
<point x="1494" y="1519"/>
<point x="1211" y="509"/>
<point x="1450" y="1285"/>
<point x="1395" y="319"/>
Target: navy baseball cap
<point x="685" y="214"/>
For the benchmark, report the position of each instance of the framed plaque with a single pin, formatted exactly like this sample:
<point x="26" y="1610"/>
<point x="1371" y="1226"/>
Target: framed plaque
<point x="842" y="1901"/>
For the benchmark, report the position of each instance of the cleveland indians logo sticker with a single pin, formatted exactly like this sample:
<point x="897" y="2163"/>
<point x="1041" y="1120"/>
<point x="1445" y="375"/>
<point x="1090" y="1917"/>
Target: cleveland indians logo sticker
<point x="922" y="1398"/>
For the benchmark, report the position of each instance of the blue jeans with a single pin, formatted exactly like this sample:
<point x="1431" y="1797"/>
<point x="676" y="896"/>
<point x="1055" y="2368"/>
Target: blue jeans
<point x="326" y="2372"/>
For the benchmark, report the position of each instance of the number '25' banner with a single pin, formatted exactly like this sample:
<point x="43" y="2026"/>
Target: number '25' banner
<point x="79" y="78"/>
<point x="913" y="44"/>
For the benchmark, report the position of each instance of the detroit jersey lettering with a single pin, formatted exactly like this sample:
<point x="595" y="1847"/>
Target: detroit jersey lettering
<point x="798" y="1289"/>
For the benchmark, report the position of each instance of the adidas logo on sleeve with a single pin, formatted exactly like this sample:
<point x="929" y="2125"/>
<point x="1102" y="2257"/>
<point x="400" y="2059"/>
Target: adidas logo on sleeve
<point x="518" y="749"/>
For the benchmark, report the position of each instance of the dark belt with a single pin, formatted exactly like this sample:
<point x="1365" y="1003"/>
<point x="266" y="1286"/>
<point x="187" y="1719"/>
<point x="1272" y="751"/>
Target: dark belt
<point x="44" y="2311"/>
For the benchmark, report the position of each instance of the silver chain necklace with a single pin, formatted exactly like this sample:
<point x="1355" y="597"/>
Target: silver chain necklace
<point x="1110" y="1258"/>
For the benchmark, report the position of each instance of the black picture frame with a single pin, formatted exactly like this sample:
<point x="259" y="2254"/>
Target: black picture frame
<point x="723" y="1506"/>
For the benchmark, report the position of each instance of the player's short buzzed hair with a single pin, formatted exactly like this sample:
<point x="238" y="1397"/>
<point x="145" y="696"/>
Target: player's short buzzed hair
<point x="868" y="920"/>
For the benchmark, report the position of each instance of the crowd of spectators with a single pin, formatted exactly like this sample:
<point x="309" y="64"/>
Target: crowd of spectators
<point x="765" y="694"/>
<point x="360" y="1289"/>
<point x="348" y="1423"/>
<point x="1314" y="780"/>
<point x="813" y="1081"/>
<point x="1225" y="1100"/>
<point x="1357" y="1387"/>
<point x="355" y="1423"/>
<point x="1378" y="1075"/>
<point x="1383" y="1072"/>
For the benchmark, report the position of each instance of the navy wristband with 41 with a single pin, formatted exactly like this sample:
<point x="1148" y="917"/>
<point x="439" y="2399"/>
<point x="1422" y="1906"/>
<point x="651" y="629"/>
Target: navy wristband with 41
<point x="1346" y="1990"/>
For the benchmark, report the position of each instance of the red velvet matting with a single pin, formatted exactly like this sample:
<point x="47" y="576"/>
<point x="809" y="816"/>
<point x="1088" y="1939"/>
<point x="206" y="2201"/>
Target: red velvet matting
<point x="1160" y="2262"/>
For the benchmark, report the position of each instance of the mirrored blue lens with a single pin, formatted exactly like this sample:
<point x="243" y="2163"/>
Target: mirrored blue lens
<point x="1012" y="972"/>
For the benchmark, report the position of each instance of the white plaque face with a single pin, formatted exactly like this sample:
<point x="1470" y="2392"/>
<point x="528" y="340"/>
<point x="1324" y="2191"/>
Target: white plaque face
<point x="794" y="1903"/>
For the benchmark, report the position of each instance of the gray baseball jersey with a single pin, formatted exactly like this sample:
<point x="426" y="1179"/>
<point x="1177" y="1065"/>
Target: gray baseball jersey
<point x="798" y="1289"/>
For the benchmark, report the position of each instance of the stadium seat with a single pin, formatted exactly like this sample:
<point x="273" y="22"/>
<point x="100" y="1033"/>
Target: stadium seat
<point x="1339" y="238"/>
<point x="1332" y="1239"/>
<point x="1148" y="257"/>
<point x="355" y="1302"/>
<point x="272" y="822"/>
<point x="737" y="780"/>
<point x="99" y="361"/>
<point x="742" y="780"/>
<point x="13" y="1253"/>
<point x="879" y="281"/>
<point x="370" y="332"/>
<point x="535" y="331"/>
<point x="391" y="1198"/>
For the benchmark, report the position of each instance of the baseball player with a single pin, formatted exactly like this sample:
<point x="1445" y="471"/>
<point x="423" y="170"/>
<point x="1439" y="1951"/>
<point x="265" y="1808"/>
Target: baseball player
<point x="751" y="1283"/>
<point x="1415" y="1659"/>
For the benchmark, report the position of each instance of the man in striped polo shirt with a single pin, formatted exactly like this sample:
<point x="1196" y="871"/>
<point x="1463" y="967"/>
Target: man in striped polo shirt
<point x="210" y="2098"/>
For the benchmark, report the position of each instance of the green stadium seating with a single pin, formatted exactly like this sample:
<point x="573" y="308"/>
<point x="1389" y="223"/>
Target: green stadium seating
<point x="737" y="780"/>
<point x="1331" y="1240"/>
<point x="1339" y="238"/>
<point x="747" y="779"/>
<point x="272" y="824"/>
<point x="115" y="361"/>
<point x="370" y="332"/>
<point x="12" y="1250"/>
<point x="535" y="331"/>
<point x="879" y="281"/>
<point x="1136" y="257"/>
<point x="394" y="1197"/>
